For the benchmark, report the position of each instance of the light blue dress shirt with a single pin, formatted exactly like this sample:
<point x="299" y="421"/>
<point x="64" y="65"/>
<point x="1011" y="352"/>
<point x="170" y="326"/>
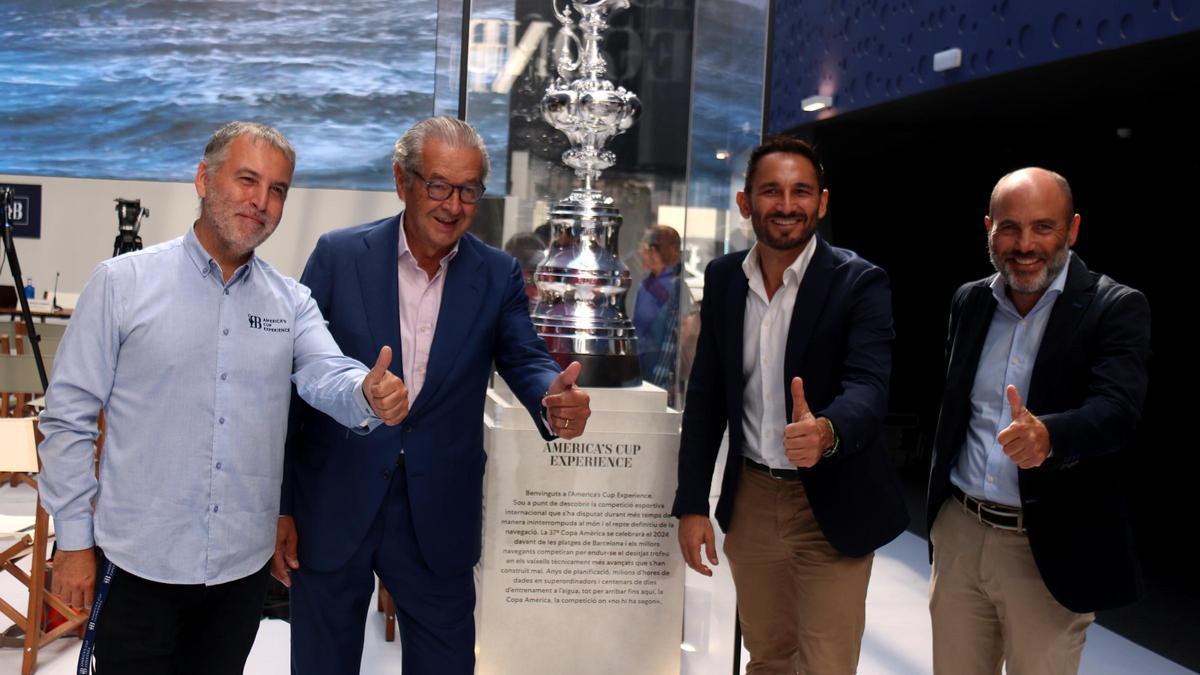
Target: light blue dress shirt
<point x="194" y="375"/>
<point x="982" y="470"/>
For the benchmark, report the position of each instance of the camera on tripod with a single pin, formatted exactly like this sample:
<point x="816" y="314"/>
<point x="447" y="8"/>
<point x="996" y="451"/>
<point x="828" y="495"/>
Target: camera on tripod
<point x="129" y="221"/>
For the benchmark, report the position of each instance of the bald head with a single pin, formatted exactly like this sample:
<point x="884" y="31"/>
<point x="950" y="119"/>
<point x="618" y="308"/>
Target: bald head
<point x="1031" y="225"/>
<point x="1032" y="180"/>
<point x="660" y="248"/>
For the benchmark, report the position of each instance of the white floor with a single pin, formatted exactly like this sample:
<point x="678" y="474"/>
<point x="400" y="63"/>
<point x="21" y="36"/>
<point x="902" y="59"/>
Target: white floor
<point x="896" y="642"/>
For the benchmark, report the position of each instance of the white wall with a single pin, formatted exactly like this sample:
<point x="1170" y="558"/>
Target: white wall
<point x="79" y="223"/>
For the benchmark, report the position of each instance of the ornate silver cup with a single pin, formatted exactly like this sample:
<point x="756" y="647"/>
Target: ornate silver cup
<point x="582" y="283"/>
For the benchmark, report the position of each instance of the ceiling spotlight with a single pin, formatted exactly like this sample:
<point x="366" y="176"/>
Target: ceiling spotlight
<point x="687" y="647"/>
<point x="815" y="103"/>
<point x="722" y="154"/>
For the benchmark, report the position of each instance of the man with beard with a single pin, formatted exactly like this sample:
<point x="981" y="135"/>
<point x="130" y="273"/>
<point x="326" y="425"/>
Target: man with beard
<point x="191" y="348"/>
<point x="1045" y="381"/>
<point x="794" y="355"/>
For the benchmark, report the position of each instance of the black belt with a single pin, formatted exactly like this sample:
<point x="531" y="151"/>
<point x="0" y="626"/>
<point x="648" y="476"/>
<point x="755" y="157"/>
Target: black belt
<point x="777" y="474"/>
<point x="997" y="515"/>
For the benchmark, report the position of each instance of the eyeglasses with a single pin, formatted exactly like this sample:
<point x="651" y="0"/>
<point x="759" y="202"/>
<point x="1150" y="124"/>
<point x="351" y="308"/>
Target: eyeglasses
<point x="440" y="190"/>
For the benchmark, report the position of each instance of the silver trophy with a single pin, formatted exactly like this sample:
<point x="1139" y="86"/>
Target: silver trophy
<point x="582" y="282"/>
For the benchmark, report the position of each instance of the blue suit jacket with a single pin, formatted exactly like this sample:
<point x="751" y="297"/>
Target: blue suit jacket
<point x="839" y="342"/>
<point x="1088" y="387"/>
<point x="335" y="480"/>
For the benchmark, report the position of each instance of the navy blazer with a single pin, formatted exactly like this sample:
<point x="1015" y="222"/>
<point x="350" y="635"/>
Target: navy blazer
<point x="1088" y="387"/>
<point x="839" y="342"/>
<point x="336" y="480"/>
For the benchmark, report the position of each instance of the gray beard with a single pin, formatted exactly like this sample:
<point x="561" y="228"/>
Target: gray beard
<point x="1039" y="283"/>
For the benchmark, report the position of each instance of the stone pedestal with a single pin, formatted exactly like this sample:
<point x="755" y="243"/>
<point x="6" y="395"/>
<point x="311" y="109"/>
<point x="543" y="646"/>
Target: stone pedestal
<point x="581" y="572"/>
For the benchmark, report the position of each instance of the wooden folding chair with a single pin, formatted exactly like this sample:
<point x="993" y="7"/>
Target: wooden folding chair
<point x="19" y="454"/>
<point x="19" y="384"/>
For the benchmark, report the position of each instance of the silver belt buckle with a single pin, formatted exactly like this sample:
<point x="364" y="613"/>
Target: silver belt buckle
<point x="1003" y="512"/>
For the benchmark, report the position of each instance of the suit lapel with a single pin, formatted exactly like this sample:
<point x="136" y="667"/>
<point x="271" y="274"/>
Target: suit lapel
<point x="735" y="302"/>
<point x="461" y="298"/>
<point x="380" y="287"/>
<point x="970" y="332"/>
<point x="1068" y="311"/>
<point x="806" y="312"/>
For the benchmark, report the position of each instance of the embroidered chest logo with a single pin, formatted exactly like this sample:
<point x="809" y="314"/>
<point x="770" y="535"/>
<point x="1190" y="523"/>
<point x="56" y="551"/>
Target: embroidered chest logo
<point x="268" y="325"/>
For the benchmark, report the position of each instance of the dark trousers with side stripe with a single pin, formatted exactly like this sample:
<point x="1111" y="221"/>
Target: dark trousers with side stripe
<point x="152" y="628"/>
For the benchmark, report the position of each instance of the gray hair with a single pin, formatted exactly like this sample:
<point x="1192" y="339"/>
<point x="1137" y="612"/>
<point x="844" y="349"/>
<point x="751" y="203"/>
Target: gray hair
<point x="453" y="132"/>
<point x="218" y="145"/>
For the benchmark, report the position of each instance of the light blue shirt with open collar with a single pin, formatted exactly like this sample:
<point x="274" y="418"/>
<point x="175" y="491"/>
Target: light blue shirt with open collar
<point x="1009" y="352"/>
<point x="194" y="375"/>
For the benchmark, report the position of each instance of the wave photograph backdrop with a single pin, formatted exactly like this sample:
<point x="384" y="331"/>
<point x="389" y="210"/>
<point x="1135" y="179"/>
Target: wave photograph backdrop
<point x="130" y="90"/>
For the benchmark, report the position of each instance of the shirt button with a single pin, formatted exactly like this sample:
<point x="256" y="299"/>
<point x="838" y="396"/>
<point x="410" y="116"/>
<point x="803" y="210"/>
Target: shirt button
<point x="216" y="508"/>
<point x="991" y="479"/>
<point x="221" y="420"/>
<point x="408" y="428"/>
<point x="226" y="291"/>
<point x="218" y="465"/>
<point x="225" y="332"/>
<point x="224" y="376"/>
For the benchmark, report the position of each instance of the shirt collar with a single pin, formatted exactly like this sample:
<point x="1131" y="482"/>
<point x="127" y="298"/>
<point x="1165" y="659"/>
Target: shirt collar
<point x="403" y="249"/>
<point x="1054" y="290"/>
<point x="752" y="268"/>
<point x="203" y="261"/>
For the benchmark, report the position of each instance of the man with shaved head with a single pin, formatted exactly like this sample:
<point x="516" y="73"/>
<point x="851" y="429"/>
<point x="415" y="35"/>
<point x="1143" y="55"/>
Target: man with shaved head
<point x="1045" y="381"/>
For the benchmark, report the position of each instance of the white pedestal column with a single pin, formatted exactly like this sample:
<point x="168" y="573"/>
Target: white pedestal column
<point x="581" y="572"/>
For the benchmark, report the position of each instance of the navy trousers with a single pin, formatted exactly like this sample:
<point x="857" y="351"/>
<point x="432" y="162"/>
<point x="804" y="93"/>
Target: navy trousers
<point x="435" y="614"/>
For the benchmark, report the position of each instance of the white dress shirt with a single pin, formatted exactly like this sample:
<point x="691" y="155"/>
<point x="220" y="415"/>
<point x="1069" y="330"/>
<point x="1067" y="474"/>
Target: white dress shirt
<point x="764" y="343"/>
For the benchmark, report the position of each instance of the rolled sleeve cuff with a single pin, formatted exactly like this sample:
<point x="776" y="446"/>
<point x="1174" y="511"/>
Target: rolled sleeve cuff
<point x="74" y="535"/>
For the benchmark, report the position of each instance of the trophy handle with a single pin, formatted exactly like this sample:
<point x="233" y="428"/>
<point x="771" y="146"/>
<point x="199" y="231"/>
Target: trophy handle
<point x="564" y="14"/>
<point x="584" y="5"/>
<point x="565" y="62"/>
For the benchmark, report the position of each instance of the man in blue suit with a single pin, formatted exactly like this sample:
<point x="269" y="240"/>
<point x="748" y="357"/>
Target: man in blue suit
<point x="407" y="505"/>
<point x="794" y="355"/>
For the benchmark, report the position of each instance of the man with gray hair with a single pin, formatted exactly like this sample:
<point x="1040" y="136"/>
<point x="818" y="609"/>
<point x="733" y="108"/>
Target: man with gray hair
<point x="1045" y="380"/>
<point x="191" y="348"/>
<point x="406" y="504"/>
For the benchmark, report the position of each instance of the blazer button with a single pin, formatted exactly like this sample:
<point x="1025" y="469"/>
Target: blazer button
<point x="407" y="428"/>
<point x="386" y="474"/>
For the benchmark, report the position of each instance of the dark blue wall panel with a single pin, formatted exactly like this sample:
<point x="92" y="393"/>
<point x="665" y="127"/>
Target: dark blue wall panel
<point x="865" y="52"/>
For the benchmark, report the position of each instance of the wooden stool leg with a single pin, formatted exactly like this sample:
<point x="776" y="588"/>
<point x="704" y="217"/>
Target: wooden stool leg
<point x="386" y="605"/>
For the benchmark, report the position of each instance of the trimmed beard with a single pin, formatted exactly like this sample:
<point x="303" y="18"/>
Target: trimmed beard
<point x="1038" y="284"/>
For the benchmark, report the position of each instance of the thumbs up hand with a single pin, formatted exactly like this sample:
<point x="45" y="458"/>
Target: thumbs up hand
<point x="567" y="406"/>
<point x="1026" y="441"/>
<point x="807" y="437"/>
<point x="387" y="394"/>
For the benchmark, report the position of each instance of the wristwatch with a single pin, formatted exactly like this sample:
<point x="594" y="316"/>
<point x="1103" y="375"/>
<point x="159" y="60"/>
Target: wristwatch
<point x="837" y="442"/>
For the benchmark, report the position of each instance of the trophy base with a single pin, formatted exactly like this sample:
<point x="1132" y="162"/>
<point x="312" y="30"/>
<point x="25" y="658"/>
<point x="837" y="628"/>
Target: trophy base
<point x="604" y="370"/>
